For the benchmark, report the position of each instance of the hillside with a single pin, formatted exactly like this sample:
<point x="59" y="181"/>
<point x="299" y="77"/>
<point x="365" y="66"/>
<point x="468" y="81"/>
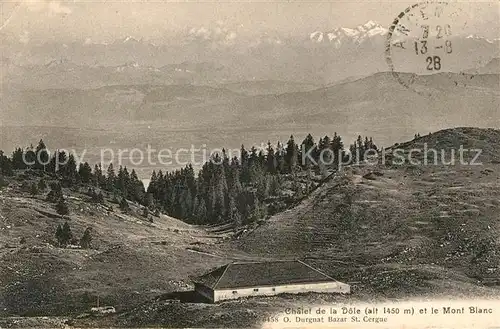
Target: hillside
<point x="392" y="231"/>
<point x="268" y="87"/>
<point x="176" y="104"/>
<point x="492" y="67"/>
<point x="429" y="225"/>
<point x="131" y="259"/>
<point x="377" y="103"/>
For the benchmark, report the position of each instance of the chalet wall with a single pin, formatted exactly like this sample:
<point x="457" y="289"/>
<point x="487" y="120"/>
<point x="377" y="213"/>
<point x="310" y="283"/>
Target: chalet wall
<point x="325" y="287"/>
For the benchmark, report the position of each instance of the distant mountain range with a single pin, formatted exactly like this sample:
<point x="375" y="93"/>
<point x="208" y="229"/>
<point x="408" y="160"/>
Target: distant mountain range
<point x="492" y="67"/>
<point x="218" y="56"/>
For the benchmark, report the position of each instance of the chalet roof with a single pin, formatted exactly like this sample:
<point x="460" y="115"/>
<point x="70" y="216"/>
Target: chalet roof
<point x="255" y="274"/>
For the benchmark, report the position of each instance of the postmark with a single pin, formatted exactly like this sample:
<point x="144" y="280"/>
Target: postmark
<point x="421" y="41"/>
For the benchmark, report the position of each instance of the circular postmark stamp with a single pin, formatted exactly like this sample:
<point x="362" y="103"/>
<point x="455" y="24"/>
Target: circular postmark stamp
<point x="420" y="41"/>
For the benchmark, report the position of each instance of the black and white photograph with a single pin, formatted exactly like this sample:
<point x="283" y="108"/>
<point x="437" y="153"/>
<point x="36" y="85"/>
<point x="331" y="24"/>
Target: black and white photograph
<point x="249" y="164"/>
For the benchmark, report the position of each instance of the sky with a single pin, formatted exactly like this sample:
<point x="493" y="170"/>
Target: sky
<point x="105" y="21"/>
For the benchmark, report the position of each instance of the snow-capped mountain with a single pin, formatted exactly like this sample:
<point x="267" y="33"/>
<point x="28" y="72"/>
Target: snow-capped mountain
<point x="127" y="66"/>
<point x="219" y="34"/>
<point x="129" y="40"/>
<point x="216" y="52"/>
<point x="341" y="35"/>
<point x="477" y="37"/>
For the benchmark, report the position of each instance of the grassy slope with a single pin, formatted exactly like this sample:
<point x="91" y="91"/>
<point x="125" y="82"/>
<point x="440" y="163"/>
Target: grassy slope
<point x="403" y="230"/>
<point x="132" y="259"/>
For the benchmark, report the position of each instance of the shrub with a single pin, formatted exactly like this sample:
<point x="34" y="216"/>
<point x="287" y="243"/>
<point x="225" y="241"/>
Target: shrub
<point x="95" y="197"/>
<point x="55" y="194"/>
<point x="33" y="189"/>
<point x="62" y="207"/>
<point x="64" y="235"/>
<point x="124" y="205"/>
<point x="26" y="186"/>
<point x="3" y="182"/>
<point x="42" y="185"/>
<point x="85" y="241"/>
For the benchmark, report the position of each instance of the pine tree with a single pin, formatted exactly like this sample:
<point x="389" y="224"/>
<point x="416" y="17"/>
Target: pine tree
<point x="6" y="166"/>
<point x="3" y="181"/>
<point x="96" y="197"/>
<point x="100" y="197"/>
<point x="261" y="184"/>
<point x="234" y="183"/>
<point x="85" y="173"/>
<point x="234" y="213"/>
<point x="291" y="155"/>
<point x="55" y="193"/>
<point x="148" y="200"/>
<point x="325" y="152"/>
<point x="337" y="147"/>
<point x="111" y="178"/>
<point x="280" y="158"/>
<point x="255" y="210"/>
<point x="86" y="239"/>
<point x="201" y="212"/>
<point x="153" y="183"/>
<point x="34" y="189"/>
<point x="18" y="159"/>
<point x="186" y="203"/>
<point x="271" y="159"/>
<point x="256" y="172"/>
<point x="62" y="207"/>
<point x="59" y="235"/>
<point x="42" y="156"/>
<point x="42" y="185"/>
<point x="245" y="166"/>
<point x="99" y="180"/>
<point x="360" y="148"/>
<point x="68" y="170"/>
<point x="30" y="157"/>
<point x="135" y="187"/>
<point x="122" y="181"/>
<point x="371" y="145"/>
<point x="274" y="186"/>
<point x="353" y="150"/>
<point x="124" y="205"/>
<point x="57" y="162"/>
<point x="308" y="146"/>
<point x="67" y="236"/>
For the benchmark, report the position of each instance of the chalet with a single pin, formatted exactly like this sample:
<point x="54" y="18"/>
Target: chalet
<point x="243" y="279"/>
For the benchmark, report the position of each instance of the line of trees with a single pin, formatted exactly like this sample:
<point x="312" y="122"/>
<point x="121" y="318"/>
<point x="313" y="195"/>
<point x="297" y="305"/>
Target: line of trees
<point x="225" y="189"/>
<point x="64" y="236"/>
<point x="236" y="189"/>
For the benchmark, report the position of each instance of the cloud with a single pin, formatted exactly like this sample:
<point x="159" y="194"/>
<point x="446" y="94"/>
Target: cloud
<point x="217" y="33"/>
<point x="53" y="8"/>
<point x="57" y="8"/>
